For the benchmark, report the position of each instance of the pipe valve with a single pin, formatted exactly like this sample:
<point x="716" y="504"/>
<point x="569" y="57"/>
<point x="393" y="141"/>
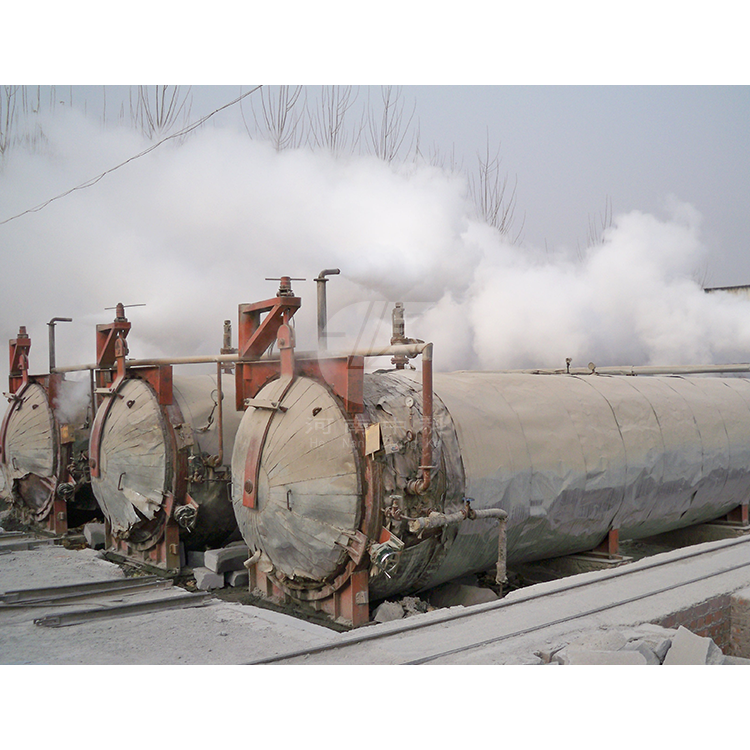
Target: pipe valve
<point x="385" y="556"/>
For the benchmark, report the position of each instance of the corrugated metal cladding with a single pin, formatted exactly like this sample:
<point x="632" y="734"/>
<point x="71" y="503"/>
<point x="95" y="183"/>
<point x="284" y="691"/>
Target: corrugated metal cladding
<point x="570" y="457"/>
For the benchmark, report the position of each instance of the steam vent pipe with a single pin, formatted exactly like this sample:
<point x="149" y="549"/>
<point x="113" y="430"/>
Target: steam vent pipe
<point x="51" y="325"/>
<point x="321" y="282"/>
<point x="567" y="457"/>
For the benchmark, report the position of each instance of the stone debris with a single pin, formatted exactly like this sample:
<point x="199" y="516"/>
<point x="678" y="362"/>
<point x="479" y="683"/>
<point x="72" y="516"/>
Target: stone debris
<point x="584" y="656"/>
<point x="647" y="644"/>
<point x="688" y="648"/>
<point x="650" y="656"/>
<point x="413" y="605"/>
<point x="459" y="594"/>
<point x="226" y="559"/>
<point x="206" y="579"/>
<point x="95" y="535"/>
<point x="388" y="611"/>
<point x="237" y="578"/>
<point x="406" y="607"/>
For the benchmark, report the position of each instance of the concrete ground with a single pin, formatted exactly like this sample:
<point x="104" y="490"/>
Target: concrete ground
<point x="529" y="620"/>
<point x="257" y="702"/>
<point x="217" y="633"/>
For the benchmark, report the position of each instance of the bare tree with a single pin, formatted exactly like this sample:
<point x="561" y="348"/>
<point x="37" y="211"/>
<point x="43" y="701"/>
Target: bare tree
<point x="448" y="162"/>
<point x="327" y="120"/>
<point x="388" y="133"/>
<point x="489" y="190"/>
<point x="596" y="230"/>
<point x="8" y="116"/>
<point x="157" y="112"/>
<point x="281" y="114"/>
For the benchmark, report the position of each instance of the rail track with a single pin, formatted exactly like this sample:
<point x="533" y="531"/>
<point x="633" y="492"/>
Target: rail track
<point x="446" y="641"/>
<point x="98" y="599"/>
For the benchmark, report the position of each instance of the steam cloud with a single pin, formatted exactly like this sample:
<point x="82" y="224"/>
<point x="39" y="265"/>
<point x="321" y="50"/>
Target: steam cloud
<point x="193" y="229"/>
<point x="72" y="405"/>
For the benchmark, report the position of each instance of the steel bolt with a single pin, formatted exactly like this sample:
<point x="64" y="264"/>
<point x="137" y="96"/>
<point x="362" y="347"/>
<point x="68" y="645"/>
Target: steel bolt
<point x="248" y="486"/>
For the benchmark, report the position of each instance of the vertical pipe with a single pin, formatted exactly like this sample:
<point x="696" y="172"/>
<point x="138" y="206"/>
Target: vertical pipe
<point x="501" y="574"/>
<point x="321" y="281"/>
<point x="51" y="330"/>
<point x="422" y="484"/>
<point x="51" y="325"/>
<point x="219" y="414"/>
<point x="93" y="394"/>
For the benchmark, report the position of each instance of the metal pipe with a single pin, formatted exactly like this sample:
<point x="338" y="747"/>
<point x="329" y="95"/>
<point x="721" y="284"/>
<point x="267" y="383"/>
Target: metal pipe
<point x="438" y="520"/>
<point x="51" y="325"/>
<point x="410" y="350"/>
<point x="219" y="414"/>
<point x="321" y="281"/>
<point x="422" y="484"/>
<point x="639" y="370"/>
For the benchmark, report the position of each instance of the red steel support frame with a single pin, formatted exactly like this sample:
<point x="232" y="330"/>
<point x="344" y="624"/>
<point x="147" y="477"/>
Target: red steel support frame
<point x="56" y="518"/>
<point x="111" y="373"/>
<point x="347" y="596"/>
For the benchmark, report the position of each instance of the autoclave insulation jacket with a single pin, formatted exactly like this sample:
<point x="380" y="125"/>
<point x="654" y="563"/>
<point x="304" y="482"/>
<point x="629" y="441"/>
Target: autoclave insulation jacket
<point x="568" y="457"/>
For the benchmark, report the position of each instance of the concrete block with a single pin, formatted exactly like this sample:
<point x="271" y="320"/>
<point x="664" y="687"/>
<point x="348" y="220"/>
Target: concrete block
<point x="458" y="594"/>
<point x="237" y="578"/>
<point x="388" y="611"/>
<point x="735" y="660"/>
<point x="662" y="648"/>
<point x="601" y="640"/>
<point x="645" y="651"/>
<point x="195" y="558"/>
<point x="584" y="656"/>
<point x="94" y="535"/>
<point x="226" y="559"/>
<point x="206" y="579"/>
<point x="688" y="648"/>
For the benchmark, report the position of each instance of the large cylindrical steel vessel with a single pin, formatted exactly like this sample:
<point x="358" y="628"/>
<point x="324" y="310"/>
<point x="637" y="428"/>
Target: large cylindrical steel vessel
<point x="159" y="461"/>
<point x="569" y="458"/>
<point x="43" y="454"/>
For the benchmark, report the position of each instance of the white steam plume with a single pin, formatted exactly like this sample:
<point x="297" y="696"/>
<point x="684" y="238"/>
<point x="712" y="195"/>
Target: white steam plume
<point x="193" y="229"/>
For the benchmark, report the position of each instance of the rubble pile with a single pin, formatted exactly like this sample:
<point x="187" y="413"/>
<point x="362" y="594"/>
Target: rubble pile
<point x="646" y="644"/>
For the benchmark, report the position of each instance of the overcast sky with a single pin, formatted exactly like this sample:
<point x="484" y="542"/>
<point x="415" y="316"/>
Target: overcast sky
<point x="193" y="228"/>
<point x="671" y="160"/>
<point x="571" y="149"/>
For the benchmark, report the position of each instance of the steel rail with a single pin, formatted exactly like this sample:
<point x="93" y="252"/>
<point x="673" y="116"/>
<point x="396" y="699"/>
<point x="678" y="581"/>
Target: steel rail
<point x="478" y="609"/>
<point x="24" y="544"/>
<point x="122" y="610"/>
<point x="61" y="594"/>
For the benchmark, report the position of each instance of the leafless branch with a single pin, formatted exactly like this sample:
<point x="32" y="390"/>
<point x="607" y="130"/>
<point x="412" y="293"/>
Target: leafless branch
<point x="388" y="133"/>
<point x="281" y="115"/>
<point x="596" y="231"/>
<point x="489" y="190"/>
<point x="328" y="119"/>
<point x="8" y="113"/>
<point x="157" y="112"/>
